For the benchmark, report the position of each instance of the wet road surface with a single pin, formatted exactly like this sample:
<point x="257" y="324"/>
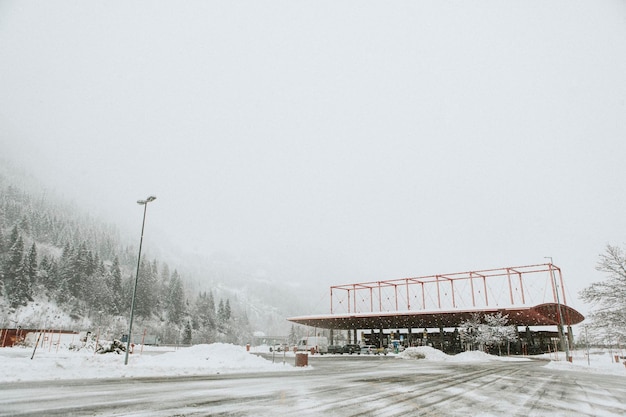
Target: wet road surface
<point x="335" y="386"/>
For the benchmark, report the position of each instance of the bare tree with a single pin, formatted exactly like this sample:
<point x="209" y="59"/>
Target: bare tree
<point x="608" y="298"/>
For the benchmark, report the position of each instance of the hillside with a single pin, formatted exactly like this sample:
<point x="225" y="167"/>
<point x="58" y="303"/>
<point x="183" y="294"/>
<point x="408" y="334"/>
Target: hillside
<point x="62" y="268"/>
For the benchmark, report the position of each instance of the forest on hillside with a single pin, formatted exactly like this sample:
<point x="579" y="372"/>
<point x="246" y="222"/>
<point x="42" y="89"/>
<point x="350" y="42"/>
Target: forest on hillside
<point x="60" y="269"/>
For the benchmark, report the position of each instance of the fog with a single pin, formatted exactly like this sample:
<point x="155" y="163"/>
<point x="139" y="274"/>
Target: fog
<point x="331" y="142"/>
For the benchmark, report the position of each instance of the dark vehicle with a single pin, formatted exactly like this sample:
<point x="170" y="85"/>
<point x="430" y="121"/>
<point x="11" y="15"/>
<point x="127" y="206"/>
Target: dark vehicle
<point x="350" y="349"/>
<point x="335" y="349"/>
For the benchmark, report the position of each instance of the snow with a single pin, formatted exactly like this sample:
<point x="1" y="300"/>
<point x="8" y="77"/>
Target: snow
<point x="429" y="353"/>
<point x="600" y="362"/>
<point x="218" y="358"/>
<point x="222" y="358"/>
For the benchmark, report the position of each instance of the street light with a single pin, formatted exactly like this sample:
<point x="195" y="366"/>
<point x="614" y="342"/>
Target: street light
<point x="144" y="203"/>
<point x="563" y="339"/>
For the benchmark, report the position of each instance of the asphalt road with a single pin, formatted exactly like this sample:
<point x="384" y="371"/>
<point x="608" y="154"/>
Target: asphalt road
<point x="335" y="386"/>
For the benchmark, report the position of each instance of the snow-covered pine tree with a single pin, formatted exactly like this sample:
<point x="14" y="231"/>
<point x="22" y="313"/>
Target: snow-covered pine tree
<point x="221" y="315"/>
<point x="16" y="280"/>
<point x="227" y="311"/>
<point x="115" y="286"/>
<point x="175" y="305"/>
<point x="31" y="264"/>
<point x="145" y="298"/>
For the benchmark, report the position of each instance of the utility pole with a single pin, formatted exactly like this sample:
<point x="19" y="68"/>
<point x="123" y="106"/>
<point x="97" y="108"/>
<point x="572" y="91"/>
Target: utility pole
<point x="562" y="338"/>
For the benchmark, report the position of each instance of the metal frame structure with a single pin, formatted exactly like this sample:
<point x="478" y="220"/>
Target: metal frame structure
<point x="529" y="295"/>
<point x="418" y="293"/>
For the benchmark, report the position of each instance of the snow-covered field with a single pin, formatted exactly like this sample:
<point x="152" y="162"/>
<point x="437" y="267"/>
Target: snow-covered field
<point x="220" y="358"/>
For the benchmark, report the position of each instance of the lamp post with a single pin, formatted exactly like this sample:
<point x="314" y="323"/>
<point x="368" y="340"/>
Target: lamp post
<point x="563" y="339"/>
<point x="144" y="203"/>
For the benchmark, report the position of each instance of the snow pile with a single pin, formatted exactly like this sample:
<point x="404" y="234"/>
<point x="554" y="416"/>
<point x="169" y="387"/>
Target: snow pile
<point x="211" y="359"/>
<point x="478" y="356"/>
<point x="218" y="357"/>
<point x="599" y="361"/>
<point x="432" y="354"/>
<point x="423" y="352"/>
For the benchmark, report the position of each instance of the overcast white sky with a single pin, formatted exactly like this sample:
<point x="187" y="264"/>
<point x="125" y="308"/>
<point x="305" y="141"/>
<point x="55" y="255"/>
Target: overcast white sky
<point x="338" y="141"/>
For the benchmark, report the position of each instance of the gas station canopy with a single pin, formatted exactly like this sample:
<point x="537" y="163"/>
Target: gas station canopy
<point x="540" y="315"/>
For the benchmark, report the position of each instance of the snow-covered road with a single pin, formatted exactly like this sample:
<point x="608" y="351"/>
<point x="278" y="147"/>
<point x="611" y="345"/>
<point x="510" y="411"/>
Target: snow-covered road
<point x="336" y="386"/>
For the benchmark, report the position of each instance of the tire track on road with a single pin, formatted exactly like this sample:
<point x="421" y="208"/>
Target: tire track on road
<point x="415" y="401"/>
<point x="355" y="403"/>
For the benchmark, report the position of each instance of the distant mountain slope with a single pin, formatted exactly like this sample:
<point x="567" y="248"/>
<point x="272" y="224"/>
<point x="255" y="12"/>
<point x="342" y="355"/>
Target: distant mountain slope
<point x="61" y="267"/>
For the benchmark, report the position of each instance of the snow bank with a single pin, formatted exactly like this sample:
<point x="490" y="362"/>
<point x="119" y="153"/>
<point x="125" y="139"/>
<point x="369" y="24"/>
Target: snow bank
<point x="218" y="357"/>
<point x="211" y="359"/>
<point x="598" y="362"/>
<point x="477" y="356"/>
<point x="432" y="354"/>
<point x="422" y="352"/>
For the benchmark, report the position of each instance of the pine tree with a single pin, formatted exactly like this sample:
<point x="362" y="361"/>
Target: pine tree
<point x="2" y="245"/>
<point x="156" y="289"/>
<point x="115" y="286"/>
<point x="44" y="270"/>
<point x="18" y="288"/>
<point x="163" y="287"/>
<point x="211" y="303"/>
<point x="144" y="302"/>
<point x="221" y="313"/>
<point x="31" y="265"/>
<point x="204" y="314"/>
<point x="25" y="226"/>
<point x="293" y="337"/>
<point x="187" y="334"/>
<point x="15" y="234"/>
<point x="227" y="311"/>
<point x="175" y="299"/>
<point x="66" y="278"/>
<point x="62" y="279"/>
<point x="83" y="264"/>
<point x="97" y="292"/>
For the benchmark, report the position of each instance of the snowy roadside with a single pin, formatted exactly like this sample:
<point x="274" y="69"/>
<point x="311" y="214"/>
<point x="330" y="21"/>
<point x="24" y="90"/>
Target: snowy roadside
<point x="432" y="354"/>
<point x="598" y="361"/>
<point x="218" y="358"/>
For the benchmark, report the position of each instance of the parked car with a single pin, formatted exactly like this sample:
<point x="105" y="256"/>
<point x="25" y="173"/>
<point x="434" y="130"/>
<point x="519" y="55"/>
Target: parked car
<point x="368" y="350"/>
<point x="335" y="349"/>
<point x="350" y="349"/>
<point x="373" y="350"/>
